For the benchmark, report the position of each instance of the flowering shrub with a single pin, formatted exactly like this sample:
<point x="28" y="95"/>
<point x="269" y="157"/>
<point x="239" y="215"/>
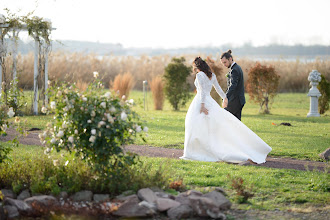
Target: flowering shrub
<point x="93" y="126"/>
<point x="4" y="149"/>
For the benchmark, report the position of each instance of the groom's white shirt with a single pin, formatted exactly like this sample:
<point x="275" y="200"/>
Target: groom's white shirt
<point x="232" y="64"/>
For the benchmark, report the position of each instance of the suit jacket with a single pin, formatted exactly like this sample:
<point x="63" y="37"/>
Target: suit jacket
<point x="235" y="83"/>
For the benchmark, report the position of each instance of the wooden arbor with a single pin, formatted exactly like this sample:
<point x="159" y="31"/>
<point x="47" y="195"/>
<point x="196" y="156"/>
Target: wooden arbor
<point x="15" y="32"/>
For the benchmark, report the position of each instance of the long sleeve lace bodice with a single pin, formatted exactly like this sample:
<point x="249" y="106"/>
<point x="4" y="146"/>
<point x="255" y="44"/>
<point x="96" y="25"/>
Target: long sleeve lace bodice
<point x="204" y="86"/>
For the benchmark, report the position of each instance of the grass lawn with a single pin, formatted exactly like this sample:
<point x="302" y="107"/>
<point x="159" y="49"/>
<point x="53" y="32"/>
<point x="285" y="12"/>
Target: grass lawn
<point x="272" y="188"/>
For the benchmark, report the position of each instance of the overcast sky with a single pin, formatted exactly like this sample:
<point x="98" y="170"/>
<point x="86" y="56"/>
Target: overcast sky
<point x="183" y="23"/>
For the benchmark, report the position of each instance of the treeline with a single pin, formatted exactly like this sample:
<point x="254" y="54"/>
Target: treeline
<point x="268" y="51"/>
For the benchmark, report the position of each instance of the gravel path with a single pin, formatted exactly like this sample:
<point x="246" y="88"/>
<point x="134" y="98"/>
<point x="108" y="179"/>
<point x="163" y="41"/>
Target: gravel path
<point x="274" y="162"/>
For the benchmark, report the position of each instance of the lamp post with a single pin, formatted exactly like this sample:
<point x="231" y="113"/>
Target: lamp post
<point x="314" y="78"/>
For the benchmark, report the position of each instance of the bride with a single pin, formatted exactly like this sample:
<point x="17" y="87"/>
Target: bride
<point x="214" y="134"/>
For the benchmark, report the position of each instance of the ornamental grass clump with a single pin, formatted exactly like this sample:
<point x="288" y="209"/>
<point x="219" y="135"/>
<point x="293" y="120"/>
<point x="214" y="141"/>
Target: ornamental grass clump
<point x="93" y="126"/>
<point x="123" y="84"/>
<point x="157" y="89"/>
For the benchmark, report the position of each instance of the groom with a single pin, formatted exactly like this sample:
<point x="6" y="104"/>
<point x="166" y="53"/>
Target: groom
<point x="235" y="85"/>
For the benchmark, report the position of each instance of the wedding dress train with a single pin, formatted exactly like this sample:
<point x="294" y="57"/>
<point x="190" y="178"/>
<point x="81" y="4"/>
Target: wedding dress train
<point x="218" y="136"/>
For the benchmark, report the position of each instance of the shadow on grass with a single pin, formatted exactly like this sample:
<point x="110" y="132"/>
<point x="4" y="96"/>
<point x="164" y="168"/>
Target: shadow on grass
<point x="284" y="118"/>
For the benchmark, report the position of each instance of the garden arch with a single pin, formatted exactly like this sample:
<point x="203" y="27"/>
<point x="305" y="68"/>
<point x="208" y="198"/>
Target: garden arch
<point x="15" y="32"/>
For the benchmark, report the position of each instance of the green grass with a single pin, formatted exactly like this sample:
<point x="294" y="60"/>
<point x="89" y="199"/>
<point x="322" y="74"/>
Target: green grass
<point x="307" y="138"/>
<point x="273" y="188"/>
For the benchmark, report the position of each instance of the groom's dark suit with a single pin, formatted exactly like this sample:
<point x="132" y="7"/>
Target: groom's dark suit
<point x="235" y="91"/>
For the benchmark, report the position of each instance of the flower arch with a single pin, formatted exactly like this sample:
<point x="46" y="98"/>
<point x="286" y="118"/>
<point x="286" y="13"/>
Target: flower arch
<point x="39" y="29"/>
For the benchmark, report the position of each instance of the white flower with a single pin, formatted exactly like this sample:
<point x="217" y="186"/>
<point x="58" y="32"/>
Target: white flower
<point x="64" y="124"/>
<point x="93" y="131"/>
<point x="89" y="121"/>
<point x="60" y="134"/>
<point x="123" y="116"/>
<point x="84" y="99"/>
<point x="76" y="131"/>
<point x="47" y="151"/>
<point x="66" y="163"/>
<point x="92" y="139"/>
<point x="100" y="124"/>
<point x="71" y="139"/>
<point x="103" y="104"/>
<point x="49" y="82"/>
<point x="107" y="94"/>
<point x="112" y="109"/>
<point x="96" y="74"/>
<point x="44" y="109"/>
<point x="145" y="129"/>
<point x="59" y="93"/>
<point x="107" y="126"/>
<point x="110" y="118"/>
<point x="123" y="97"/>
<point x="138" y="129"/>
<point x="130" y="130"/>
<point x="55" y="162"/>
<point x="131" y="101"/>
<point x="93" y="113"/>
<point x="52" y="105"/>
<point x="53" y="140"/>
<point x="11" y="112"/>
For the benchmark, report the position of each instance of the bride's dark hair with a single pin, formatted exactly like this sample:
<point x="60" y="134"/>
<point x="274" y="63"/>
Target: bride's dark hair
<point x="202" y="66"/>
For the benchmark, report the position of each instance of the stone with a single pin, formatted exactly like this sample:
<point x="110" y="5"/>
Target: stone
<point x="12" y="212"/>
<point x="147" y="195"/>
<point x="83" y="196"/>
<point x="122" y="198"/>
<point x="2" y="212"/>
<point x="183" y="199"/>
<point x="151" y="206"/>
<point x="164" y="195"/>
<point x="101" y="197"/>
<point x="219" y="200"/>
<point x="24" y="195"/>
<point x="22" y="207"/>
<point x="180" y="212"/>
<point x="325" y="155"/>
<point x="221" y="190"/>
<point x="8" y="193"/>
<point x="43" y="201"/>
<point x="200" y="205"/>
<point x="63" y="195"/>
<point x="132" y="209"/>
<point x="193" y="192"/>
<point x="164" y="204"/>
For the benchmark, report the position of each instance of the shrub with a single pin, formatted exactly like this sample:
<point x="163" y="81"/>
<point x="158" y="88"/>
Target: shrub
<point x="4" y="149"/>
<point x="262" y="85"/>
<point x="124" y="84"/>
<point x="176" y="86"/>
<point x="324" y="88"/>
<point x="157" y="89"/>
<point x="94" y="127"/>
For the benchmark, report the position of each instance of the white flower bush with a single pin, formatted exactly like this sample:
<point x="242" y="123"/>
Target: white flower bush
<point x="91" y="124"/>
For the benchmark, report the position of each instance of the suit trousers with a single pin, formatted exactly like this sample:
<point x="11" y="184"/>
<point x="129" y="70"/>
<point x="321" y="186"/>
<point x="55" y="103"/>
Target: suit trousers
<point x="235" y="107"/>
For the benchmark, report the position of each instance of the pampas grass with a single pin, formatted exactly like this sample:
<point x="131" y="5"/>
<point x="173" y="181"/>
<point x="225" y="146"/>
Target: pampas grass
<point x="157" y="89"/>
<point x="123" y="84"/>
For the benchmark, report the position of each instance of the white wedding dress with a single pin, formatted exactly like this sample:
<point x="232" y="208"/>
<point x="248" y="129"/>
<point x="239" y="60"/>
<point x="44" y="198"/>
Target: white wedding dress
<point x="218" y="136"/>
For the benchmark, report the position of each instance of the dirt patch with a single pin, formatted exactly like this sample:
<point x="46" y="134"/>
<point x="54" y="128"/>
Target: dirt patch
<point x="274" y="162"/>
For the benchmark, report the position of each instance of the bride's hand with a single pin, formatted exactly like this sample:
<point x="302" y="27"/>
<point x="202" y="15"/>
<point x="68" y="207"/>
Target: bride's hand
<point x="225" y="103"/>
<point x="203" y="109"/>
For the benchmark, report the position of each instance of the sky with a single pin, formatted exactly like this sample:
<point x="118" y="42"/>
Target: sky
<point x="182" y="23"/>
